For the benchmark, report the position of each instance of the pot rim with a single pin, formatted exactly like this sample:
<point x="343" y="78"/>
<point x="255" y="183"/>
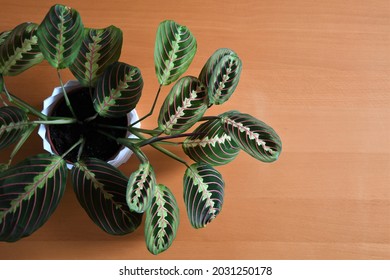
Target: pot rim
<point x="50" y="104"/>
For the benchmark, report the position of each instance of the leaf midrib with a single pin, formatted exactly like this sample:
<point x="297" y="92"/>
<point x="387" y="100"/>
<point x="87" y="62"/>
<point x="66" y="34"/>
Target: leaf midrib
<point x="99" y="186"/>
<point x="15" y="204"/>
<point x="13" y="126"/>
<point x="252" y="135"/>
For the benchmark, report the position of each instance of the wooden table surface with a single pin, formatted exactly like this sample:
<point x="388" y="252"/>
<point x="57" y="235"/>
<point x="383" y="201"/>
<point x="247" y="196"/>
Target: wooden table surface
<point x="317" y="71"/>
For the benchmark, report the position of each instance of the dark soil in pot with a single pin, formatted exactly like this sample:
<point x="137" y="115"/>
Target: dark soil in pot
<point x="62" y="137"/>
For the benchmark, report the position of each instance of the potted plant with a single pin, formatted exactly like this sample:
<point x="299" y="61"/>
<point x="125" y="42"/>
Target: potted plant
<point x="108" y="91"/>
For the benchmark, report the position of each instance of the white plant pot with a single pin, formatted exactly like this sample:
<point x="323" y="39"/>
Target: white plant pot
<point x="49" y="104"/>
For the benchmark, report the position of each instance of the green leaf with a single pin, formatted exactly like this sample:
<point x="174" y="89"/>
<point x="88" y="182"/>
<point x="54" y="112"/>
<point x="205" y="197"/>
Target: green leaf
<point x="3" y="167"/>
<point x="13" y="123"/>
<point x="203" y="194"/>
<point x="174" y="51"/>
<point x="29" y="194"/>
<point x="100" y="48"/>
<point x="101" y="190"/>
<point x="4" y="35"/>
<point x="183" y="107"/>
<point x="210" y="144"/>
<point x="141" y="188"/>
<point x="19" y="49"/>
<point x="221" y="75"/>
<point x="162" y="221"/>
<point x="118" y="90"/>
<point x="60" y="36"/>
<point x="252" y="135"/>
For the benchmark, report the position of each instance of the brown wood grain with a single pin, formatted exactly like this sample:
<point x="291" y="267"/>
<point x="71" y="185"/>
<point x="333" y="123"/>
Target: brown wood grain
<point x="316" y="71"/>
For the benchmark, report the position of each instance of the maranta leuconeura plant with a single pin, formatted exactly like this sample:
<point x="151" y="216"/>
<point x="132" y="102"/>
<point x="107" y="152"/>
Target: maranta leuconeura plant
<point x="31" y="189"/>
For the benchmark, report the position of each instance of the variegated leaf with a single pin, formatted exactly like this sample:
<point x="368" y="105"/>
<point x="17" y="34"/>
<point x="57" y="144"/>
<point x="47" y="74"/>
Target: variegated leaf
<point x="19" y="49"/>
<point x="60" y="36"/>
<point x="13" y="123"/>
<point x="162" y="221"/>
<point x="183" y="107"/>
<point x="210" y="144"/>
<point x="100" y="48"/>
<point x="174" y="51"/>
<point x="3" y="167"/>
<point x="252" y="135"/>
<point x="221" y="74"/>
<point x="29" y="194"/>
<point x="141" y="188"/>
<point x="118" y="90"/>
<point x="4" y="35"/>
<point x="101" y="190"/>
<point x="203" y="193"/>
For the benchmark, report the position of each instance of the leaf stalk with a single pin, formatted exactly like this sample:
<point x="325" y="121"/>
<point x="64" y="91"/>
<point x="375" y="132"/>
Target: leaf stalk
<point x="152" y="109"/>
<point x="66" y="95"/>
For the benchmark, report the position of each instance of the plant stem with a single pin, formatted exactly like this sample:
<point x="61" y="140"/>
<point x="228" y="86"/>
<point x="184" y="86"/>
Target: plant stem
<point x="158" y="139"/>
<point x="168" y="143"/>
<point x="106" y="134"/>
<point x="91" y="118"/>
<point x="81" y="140"/>
<point x="152" y="132"/>
<point x="66" y="95"/>
<point x="21" y="141"/>
<point x="34" y="124"/>
<point x="132" y="141"/>
<point x="129" y="144"/>
<point x="170" y="154"/>
<point x="111" y="126"/>
<point x="23" y="105"/>
<point x="81" y="149"/>
<point x="132" y="129"/>
<point x="208" y="118"/>
<point x="152" y="109"/>
<point x="164" y="151"/>
<point x="59" y="121"/>
<point x="3" y="101"/>
<point x="135" y="149"/>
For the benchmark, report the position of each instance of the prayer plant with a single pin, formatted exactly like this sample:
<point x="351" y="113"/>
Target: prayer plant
<point x="31" y="190"/>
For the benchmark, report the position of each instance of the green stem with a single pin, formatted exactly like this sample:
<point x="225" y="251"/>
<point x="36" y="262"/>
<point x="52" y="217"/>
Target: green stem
<point x="106" y="134"/>
<point x="164" y="151"/>
<point x="59" y="121"/>
<point x="51" y="122"/>
<point x="3" y="101"/>
<point x="159" y="139"/>
<point x="140" y="155"/>
<point x="129" y="144"/>
<point x="152" y="132"/>
<point x="73" y="147"/>
<point x="208" y="118"/>
<point x="81" y="149"/>
<point x="170" y="154"/>
<point x="132" y="129"/>
<point x="23" y="105"/>
<point x="66" y="95"/>
<point x="169" y="143"/>
<point x="21" y="142"/>
<point x="111" y="126"/>
<point x="135" y="147"/>
<point x="151" y="110"/>
<point x="136" y="150"/>
<point x="91" y="118"/>
<point x="132" y="141"/>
